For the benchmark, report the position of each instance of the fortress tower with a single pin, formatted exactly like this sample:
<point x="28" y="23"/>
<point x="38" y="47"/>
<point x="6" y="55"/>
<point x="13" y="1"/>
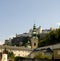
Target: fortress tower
<point x="34" y="39"/>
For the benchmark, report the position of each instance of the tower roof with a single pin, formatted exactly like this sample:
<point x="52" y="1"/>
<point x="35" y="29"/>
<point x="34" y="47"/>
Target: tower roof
<point x="34" y="26"/>
<point x="34" y="33"/>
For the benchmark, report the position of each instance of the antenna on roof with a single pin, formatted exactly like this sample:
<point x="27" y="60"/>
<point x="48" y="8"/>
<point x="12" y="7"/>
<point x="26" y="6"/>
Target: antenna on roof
<point x="34" y="21"/>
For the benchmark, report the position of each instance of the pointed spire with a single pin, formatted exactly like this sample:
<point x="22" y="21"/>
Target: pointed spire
<point x="34" y="31"/>
<point x="34" y="26"/>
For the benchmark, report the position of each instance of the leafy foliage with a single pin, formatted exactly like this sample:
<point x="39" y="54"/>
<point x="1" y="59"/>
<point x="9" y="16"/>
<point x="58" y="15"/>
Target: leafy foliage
<point x="41" y="55"/>
<point x="51" y="38"/>
<point x="11" y="55"/>
<point x="18" y="58"/>
<point x="19" y="41"/>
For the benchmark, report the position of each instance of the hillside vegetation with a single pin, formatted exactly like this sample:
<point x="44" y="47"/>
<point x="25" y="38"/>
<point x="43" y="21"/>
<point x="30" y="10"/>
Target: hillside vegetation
<point x="52" y="37"/>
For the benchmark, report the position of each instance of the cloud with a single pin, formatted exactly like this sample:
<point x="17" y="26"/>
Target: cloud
<point x="58" y="23"/>
<point x="1" y="43"/>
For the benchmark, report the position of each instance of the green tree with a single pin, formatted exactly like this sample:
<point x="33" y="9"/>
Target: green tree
<point x="51" y="38"/>
<point x="11" y="55"/>
<point x="41" y="55"/>
<point x="18" y="58"/>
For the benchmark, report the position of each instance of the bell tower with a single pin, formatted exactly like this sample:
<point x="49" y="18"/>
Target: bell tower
<point x="34" y="39"/>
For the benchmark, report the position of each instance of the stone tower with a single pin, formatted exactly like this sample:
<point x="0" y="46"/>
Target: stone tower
<point x="4" y="55"/>
<point x="34" y="38"/>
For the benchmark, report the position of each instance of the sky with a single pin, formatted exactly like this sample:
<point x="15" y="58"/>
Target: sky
<point x="18" y="16"/>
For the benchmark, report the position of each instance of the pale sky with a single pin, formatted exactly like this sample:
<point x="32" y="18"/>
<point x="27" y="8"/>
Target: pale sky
<point x="18" y="16"/>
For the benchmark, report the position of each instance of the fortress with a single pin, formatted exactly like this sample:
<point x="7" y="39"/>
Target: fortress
<point x="21" y="38"/>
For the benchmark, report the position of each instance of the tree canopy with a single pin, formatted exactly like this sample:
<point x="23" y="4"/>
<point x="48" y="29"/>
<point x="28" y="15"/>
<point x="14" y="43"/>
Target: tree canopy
<point x="52" y="37"/>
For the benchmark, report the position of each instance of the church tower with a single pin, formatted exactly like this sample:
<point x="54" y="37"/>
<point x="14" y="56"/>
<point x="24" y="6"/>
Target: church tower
<point x="34" y="39"/>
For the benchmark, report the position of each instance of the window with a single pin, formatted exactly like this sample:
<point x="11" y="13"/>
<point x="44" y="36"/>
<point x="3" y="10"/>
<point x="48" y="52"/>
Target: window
<point x="34" y="44"/>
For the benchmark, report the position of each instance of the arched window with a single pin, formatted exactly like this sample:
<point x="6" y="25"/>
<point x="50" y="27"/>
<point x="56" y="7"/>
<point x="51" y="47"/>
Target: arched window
<point x="34" y="44"/>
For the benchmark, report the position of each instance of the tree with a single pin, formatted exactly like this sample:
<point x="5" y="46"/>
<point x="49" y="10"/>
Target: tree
<point x="11" y="55"/>
<point x="18" y="58"/>
<point x="51" y="38"/>
<point x="41" y="55"/>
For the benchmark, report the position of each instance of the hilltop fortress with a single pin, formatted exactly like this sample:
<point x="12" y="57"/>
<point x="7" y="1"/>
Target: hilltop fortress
<point x="28" y="39"/>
